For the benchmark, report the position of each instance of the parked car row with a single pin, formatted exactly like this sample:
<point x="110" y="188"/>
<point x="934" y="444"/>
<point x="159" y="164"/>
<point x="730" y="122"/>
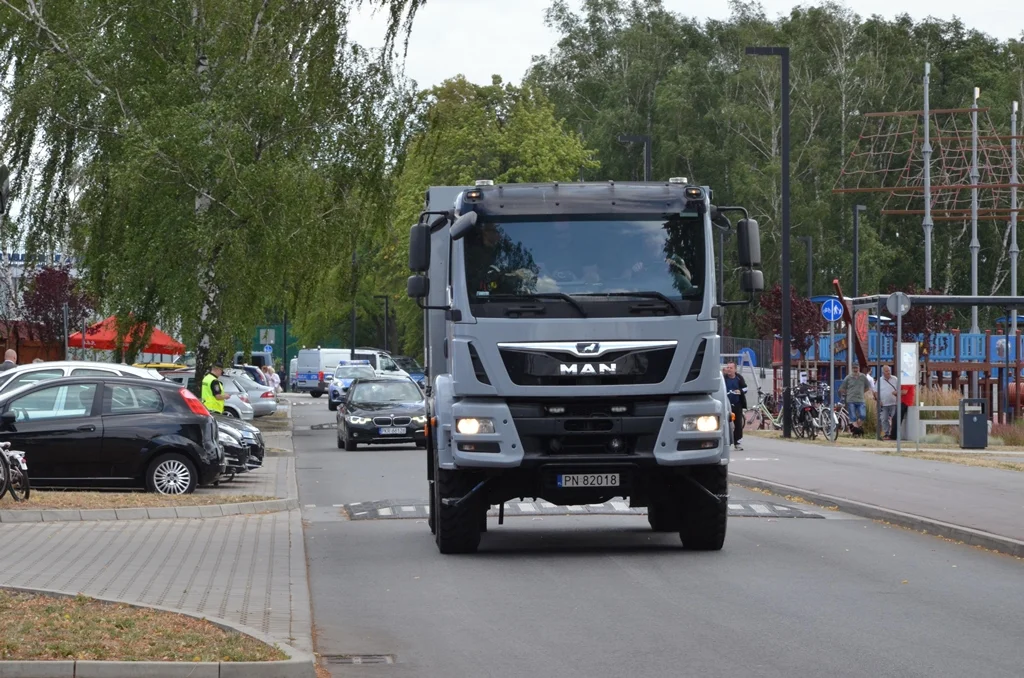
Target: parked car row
<point x="111" y="426"/>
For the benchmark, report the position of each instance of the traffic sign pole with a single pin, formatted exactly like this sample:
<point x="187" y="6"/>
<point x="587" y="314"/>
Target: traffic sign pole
<point x="832" y="366"/>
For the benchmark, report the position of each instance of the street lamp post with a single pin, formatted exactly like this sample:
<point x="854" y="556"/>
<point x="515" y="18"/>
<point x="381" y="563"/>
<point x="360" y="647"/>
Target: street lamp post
<point x="646" y="141"/>
<point x="857" y="209"/>
<point x="787" y="339"/>
<point x="809" y="241"/>
<point x="386" y="299"/>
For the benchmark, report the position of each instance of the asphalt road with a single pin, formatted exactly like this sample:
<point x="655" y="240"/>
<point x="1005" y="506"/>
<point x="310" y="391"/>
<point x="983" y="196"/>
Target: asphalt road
<point x="598" y="595"/>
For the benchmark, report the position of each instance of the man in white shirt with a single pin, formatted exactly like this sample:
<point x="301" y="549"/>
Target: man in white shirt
<point x="887" y="392"/>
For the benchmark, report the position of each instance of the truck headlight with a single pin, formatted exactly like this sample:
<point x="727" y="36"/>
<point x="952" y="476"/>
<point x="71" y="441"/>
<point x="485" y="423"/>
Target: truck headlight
<point x="704" y="424"/>
<point x="421" y="420"/>
<point x="472" y="427"/>
<point x="359" y="421"/>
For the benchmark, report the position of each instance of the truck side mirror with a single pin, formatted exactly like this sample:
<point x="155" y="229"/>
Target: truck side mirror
<point x="752" y="281"/>
<point x="419" y="248"/>
<point x="417" y="286"/>
<point x="463" y="225"/>
<point x="749" y="243"/>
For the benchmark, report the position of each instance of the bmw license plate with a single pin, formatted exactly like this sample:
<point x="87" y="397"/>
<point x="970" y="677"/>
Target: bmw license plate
<point x="588" y="479"/>
<point x="391" y="430"/>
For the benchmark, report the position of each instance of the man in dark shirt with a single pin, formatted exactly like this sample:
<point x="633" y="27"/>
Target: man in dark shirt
<point x="10" y="360"/>
<point x="736" y="387"/>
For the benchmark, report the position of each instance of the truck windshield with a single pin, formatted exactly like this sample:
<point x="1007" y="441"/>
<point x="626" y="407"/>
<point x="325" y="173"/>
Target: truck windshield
<point x="587" y="259"/>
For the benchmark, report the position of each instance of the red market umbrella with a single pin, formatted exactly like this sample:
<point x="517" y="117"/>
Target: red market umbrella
<point x="103" y="337"/>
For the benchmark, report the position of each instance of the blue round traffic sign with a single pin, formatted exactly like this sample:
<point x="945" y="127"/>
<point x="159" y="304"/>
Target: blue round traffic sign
<point x="268" y="349"/>
<point x="832" y="310"/>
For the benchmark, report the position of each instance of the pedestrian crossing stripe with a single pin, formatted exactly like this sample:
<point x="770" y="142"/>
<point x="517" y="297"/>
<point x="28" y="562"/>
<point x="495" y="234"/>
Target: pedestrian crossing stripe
<point x="393" y="509"/>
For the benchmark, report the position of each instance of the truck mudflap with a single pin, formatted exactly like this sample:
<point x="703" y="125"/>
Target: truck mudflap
<point x="532" y="435"/>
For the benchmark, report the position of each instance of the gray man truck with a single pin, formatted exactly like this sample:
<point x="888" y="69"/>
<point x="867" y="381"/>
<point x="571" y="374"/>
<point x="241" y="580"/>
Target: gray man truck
<point x="572" y="350"/>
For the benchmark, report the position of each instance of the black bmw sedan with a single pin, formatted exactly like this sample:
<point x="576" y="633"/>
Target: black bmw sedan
<point x="112" y="432"/>
<point x="382" y="410"/>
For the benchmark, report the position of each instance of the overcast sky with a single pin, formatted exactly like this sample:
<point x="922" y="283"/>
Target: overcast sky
<point x="479" y="38"/>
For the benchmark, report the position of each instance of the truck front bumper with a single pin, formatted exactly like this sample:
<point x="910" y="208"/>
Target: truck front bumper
<point x="535" y="434"/>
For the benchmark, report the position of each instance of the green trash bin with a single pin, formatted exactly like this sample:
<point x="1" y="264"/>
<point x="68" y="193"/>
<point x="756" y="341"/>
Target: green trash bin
<point x="973" y="423"/>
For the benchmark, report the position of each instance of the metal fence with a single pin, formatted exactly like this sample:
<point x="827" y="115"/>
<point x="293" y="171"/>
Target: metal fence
<point x="761" y="349"/>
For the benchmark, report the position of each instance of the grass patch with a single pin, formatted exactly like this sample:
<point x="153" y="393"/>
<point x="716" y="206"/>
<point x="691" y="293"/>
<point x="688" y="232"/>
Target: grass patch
<point x="965" y="460"/>
<point x="274" y="422"/>
<point x="42" y="499"/>
<point x="39" y="627"/>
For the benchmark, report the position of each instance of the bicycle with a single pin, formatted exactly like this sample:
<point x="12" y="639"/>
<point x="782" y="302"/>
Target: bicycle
<point x="762" y="413"/>
<point x="13" y="473"/>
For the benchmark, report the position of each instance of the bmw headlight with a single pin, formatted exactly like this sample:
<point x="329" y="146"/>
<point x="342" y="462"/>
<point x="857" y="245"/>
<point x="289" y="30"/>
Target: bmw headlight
<point x="420" y="420"/>
<point x="472" y="427"/>
<point x="358" y="421"/>
<point x="704" y="424"/>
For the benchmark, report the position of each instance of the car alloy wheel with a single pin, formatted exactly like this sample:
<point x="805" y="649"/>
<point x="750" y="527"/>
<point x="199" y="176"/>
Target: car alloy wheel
<point x="172" y="477"/>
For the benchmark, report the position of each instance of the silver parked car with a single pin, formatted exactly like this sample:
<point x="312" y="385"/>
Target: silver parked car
<point x="237" y="405"/>
<point x="23" y="375"/>
<point x="262" y="398"/>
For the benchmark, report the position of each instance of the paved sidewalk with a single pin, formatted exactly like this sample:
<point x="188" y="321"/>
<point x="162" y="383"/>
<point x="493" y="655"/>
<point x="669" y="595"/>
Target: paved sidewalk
<point x="247" y="570"/>
<point x="989" y="500"/>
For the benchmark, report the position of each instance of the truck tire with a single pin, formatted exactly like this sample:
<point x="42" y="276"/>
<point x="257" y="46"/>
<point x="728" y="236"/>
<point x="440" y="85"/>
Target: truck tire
<point x="456" y="528"/>
<point x="705" y="519"/>
<point x="431" y="518"/>
<point x="483" y="519"/>
<point x="665" y="516"/>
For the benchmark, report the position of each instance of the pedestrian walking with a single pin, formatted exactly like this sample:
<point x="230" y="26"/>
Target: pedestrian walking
<point x="10" y="360"/>
<point x="854" y="390"/>
<point x="272" y="378"/>
<point x="736" y="387"/>
<point x="887" y="394"/>
<point x="213" y="395"/>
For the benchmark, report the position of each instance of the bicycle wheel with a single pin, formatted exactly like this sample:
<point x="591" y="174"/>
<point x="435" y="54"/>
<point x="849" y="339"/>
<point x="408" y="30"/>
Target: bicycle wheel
<point x="752" y="419"/>
<point x="19" y="483"/>
<point x="5" y="475"/>
<point x="827" y="421"/>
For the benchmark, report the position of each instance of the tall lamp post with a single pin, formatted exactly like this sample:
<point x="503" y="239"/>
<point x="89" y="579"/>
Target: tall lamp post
<point x="857" y="209"/>
<point x="809" y="241"/>
<point x="787" y="338"/>
<point x="646" y="141"/>
<point x="386" y="299"/>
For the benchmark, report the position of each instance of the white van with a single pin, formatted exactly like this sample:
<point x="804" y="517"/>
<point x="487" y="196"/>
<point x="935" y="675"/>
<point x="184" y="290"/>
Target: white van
<point x="315" y="369"/>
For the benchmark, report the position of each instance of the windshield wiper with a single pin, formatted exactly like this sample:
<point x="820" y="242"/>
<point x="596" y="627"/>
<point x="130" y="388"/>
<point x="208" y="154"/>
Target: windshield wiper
<point x="544" y="295"/>
<point x="644" y="294"/>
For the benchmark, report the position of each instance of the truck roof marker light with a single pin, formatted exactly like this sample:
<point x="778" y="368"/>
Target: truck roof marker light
<point x="678" y="180"/>
<point x="484" y="182"/>
<point x="695" y="192"/>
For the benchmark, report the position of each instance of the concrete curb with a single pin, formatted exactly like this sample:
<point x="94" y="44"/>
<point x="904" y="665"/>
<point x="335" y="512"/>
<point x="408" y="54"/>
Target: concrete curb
<point x="156" y="513"/>
<point x="298" y="665"/>
<point x="290" y="668"/>
<point x="968" y="535"/>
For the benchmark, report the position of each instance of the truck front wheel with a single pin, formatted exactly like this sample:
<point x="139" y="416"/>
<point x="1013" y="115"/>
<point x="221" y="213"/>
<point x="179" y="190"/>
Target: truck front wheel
<point x="456" y="527"/>
<point x="665" y="516"/>
<point x="704" y="520"/>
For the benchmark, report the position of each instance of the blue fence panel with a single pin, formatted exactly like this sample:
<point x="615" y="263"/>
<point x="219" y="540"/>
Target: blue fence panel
<point x="943" y="347"/>
<point x="972" y="347"/>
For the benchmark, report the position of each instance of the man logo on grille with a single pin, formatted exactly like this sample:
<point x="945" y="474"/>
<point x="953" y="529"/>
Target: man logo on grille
<point x="588" y="348"/>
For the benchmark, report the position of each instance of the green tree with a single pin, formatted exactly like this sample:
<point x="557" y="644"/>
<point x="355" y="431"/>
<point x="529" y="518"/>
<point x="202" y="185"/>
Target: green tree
<point x="463" y="132"/>
<point x="196" y="154"/>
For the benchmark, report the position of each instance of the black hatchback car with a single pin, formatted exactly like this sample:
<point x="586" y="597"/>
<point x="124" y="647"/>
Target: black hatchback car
<point x="382" y="410"/>
<point x="112" y="432"/>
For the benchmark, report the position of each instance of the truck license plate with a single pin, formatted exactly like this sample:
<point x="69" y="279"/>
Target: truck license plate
<point x="392" y="431"/>
<point x="588" y="480"/>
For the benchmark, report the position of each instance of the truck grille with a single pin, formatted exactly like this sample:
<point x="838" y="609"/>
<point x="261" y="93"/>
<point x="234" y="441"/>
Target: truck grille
<point x="543" y="368"/>
<point x="588" y="426"/>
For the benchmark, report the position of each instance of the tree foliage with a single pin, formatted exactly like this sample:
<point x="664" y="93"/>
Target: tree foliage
<point x="462" y="132"/>
<point x="806" y="321"/>
<point x="714" y="114"/>
<point x="201" y="156"/>
<point x="46" y="292"/>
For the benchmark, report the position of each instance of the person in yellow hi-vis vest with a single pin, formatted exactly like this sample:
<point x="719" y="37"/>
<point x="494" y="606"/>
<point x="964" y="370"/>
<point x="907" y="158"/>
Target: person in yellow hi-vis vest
<point x="213" y="395"/>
